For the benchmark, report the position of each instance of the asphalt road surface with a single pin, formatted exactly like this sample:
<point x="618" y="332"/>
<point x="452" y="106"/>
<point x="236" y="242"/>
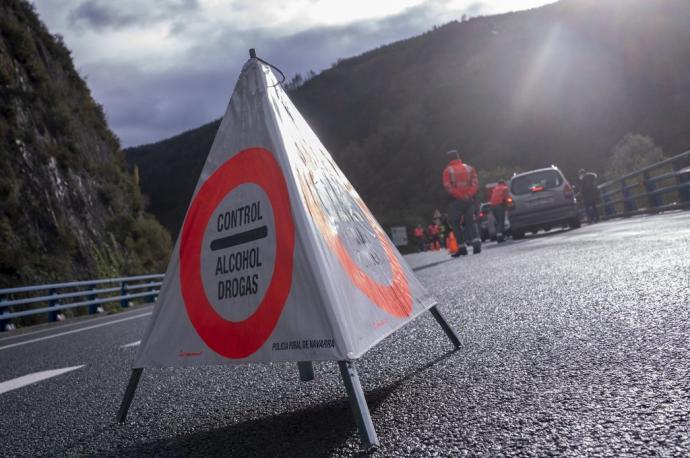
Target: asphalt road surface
<point x="574" y="343"/>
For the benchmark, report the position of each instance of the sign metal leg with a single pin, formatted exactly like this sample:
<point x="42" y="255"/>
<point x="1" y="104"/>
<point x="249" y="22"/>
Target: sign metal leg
<point x="358" y="404"/>
<point x="306" y="370"/>
<point x="445" y="326"/>
<point x="129" y="394"/>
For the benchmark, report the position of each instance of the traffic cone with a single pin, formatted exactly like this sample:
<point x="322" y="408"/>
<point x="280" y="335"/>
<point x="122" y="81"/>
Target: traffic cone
<point x="451" y="243"/>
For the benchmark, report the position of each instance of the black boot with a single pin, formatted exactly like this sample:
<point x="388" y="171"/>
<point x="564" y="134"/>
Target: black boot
<point x="462" y="251"/>
<point x="477" y="246"/>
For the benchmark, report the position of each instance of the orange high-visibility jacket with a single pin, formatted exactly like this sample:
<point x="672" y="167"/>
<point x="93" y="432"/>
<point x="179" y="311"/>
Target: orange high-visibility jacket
<point x="499" y="195"/>
<point x="460" y="180"/>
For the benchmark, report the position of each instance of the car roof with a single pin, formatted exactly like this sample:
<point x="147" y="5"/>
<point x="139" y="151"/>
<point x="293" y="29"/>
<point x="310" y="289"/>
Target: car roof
<point x="553" y="167"/>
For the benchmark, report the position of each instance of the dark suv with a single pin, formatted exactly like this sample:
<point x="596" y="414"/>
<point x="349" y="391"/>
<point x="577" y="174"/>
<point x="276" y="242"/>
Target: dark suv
<point x="541" y="199"/>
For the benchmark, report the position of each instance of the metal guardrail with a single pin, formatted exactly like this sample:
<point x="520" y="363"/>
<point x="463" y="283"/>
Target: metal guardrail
<point x="621" y="193"/>
<point x="658" y="187"/>
<point x="50" y="299"/>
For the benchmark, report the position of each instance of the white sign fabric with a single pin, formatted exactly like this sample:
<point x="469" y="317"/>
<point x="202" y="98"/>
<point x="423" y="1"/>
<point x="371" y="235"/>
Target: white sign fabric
<point x="278" y="258"/>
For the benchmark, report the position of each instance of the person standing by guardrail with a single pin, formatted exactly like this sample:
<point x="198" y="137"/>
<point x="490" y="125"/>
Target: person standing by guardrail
<point x="498" y="201"/>
<point x="590" y="194"/>
<point x="461" y="183"/>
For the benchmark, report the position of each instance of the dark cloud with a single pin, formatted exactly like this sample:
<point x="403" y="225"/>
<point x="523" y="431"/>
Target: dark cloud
<point x="146" y="106"/>
<point x="99" y="15"/>
<point x="149" y="100"/>
<point x="92" y="14"/>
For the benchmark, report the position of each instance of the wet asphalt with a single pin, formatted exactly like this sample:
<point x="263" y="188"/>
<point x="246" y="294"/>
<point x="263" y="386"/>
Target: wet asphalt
<point x="573" y="343"/>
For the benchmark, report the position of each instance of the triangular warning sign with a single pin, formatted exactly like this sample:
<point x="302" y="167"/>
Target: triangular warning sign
<point x="278" y="258"/>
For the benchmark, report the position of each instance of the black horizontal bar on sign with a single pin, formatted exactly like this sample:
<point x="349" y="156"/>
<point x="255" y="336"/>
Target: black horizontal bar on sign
<point x="240" y="238"/>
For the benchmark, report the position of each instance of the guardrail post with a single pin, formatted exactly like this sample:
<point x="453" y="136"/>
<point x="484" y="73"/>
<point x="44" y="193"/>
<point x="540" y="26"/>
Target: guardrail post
<point x="3" y="310"/>
<point x="630" y="205"/>
<point x="653" y="199"/>
<point x="683" y="179"/>
<point x="153" y="297"/>
<point x="124" y="303"/>
<point x="610" y="209"/>
<point x="52" y="316"/>
<point x="93" y="308"/>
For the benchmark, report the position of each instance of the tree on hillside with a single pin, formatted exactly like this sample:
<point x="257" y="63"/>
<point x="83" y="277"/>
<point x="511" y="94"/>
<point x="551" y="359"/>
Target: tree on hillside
<point x="499" y="172"/>
<point x="631" y="153"/>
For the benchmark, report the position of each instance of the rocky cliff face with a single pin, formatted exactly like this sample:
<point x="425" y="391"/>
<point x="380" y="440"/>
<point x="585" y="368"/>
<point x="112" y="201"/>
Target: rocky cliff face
<point x="69" y="209"/>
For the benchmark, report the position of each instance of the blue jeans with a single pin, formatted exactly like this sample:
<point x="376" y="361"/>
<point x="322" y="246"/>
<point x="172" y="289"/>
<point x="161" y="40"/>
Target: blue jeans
<point x="592" y="212"/>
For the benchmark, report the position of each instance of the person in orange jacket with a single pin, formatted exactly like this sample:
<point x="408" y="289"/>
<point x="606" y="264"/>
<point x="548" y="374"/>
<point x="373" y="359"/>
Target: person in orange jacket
<point x="461" y="183"/>
<point x="498" y="201"/>
<point x="419" y="237"/>
<point x="434" y="232"/>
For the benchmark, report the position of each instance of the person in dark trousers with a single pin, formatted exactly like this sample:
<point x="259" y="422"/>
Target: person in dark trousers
<point x="419" y="237"/>
<point x="444" y="229"/>
<point x="499" y="198"/>
<point x="461" y="183"/>
<point x="590" y="194"/>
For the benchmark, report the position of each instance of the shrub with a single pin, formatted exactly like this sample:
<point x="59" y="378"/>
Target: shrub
<point x="57" y="120"/>
<point x="631" y="153"/>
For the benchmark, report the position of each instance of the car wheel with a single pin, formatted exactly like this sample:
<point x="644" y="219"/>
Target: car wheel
<point x="575" y="224"/>
<point x="517" y="235"/>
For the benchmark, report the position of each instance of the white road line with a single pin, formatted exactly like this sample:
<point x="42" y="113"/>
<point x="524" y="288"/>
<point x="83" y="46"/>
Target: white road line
<point x="65" y="325"/>
<point x="33" y="378"/>
<point x="38" y="339"/>
<point x="133" y="344"/>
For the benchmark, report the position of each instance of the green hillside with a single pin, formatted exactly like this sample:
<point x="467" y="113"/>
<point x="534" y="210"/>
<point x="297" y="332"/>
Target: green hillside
<point x="561" y="84"/>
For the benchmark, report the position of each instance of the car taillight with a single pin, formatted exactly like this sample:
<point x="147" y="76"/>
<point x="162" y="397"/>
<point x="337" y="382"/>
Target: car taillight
<point x="568" y="192"/>
<point x="510" y="203"/>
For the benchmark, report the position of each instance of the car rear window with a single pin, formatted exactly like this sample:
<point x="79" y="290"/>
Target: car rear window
<point x="546" y="178"/>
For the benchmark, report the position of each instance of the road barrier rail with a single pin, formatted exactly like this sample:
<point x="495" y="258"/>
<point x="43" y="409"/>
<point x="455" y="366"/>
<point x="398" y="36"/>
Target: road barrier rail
<point x="89" y="296"/>
<point x="662" y="186"/>
<point x="649" y="190"/>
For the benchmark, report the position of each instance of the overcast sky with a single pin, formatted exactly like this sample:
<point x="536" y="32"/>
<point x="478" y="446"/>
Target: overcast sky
<point x="160" y="67"/>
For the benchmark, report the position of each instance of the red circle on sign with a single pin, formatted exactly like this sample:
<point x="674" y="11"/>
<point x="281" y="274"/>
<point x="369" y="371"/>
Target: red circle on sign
<point x="237" y="339"/>
<point x="394" y="298"/>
